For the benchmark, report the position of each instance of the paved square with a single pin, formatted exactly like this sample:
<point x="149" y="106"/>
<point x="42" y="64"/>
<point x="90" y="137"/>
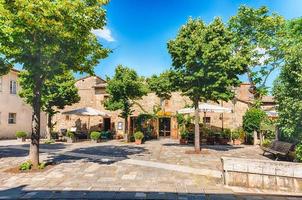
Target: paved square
<point x="158" y="169"/>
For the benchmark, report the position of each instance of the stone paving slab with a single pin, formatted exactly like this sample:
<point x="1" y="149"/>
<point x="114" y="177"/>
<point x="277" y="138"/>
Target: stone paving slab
<point x="113" y="170"/>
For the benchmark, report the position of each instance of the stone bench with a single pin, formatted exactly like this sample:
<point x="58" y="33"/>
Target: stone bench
<point x="262" y="174"/>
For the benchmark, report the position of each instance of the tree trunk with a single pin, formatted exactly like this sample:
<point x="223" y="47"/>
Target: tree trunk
<point x="126" y="130"/>
<point x="196" y="122"/>
<point x="35" y="135"/>
<point x="255" y="138"/>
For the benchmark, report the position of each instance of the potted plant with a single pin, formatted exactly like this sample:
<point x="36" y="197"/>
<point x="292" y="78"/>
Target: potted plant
<point x="183" y="137"/>
<point x="236" y="137"/>
<point x="210" y="137"/>
<point x="70" y="137"/>
<point x="225" y="137"/>
<point x="138" y="136"/>
<point x="95" y="136"/>
<point x="21" y="135"/>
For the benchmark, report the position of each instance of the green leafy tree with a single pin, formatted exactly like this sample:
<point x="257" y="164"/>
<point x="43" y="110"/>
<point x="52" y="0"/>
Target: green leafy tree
<point x="48" y="38"/>
<point x="56" y="94"/>
<point x="124" y="88"/>
<point x="161" y="85"/>
<point x="204" y="64"/>
<point x="257" y="37"/>
<point x="288" y="86"/>
<point x="252" y="120"/>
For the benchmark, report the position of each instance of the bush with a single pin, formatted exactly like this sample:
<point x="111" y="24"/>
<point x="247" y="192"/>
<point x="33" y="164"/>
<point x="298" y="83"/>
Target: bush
<point x="252" y="119"/>
<point x="106" y="135"/>
<point x="235" y="135"/>
<point x="184" y="135"/>
<point x="266" y="143"/>
<point x="95" y="135"/>
<point x="226" y="133"/>
<point x="138" y="135"/>
<point x="21" y="134"/>
<point x="70" y="134"/>
<point x="298" y="152"/>
<point x="25" y="166"/>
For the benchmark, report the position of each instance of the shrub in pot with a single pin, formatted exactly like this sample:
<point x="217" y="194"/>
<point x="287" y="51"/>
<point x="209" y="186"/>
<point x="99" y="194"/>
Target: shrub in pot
<point x="183" y="137"/>
<point x="225" y="137"/>
<point x="138" y="136"/>
<point x="70" y="137"/>
<point x="21" y="135"/>
<point x="95" y="136"/>
<point x="236" y="137"/>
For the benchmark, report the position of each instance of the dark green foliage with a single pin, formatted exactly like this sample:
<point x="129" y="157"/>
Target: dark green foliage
<point x="226" y="133"/>
<point x="21" y="134"/>
<point x="106" y="135"/>
<point x="288" y="87"/>
<point x="252" y="119"/>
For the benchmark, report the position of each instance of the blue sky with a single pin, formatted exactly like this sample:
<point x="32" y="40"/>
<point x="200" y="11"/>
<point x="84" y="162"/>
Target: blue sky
<point x="138" y="30"/>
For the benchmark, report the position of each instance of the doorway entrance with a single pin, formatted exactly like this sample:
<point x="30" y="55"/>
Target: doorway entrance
<point x="107" y="123"/>
<point x="164" y="127"/>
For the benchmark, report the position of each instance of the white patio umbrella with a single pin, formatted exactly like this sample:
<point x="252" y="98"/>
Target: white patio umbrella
<point x="205" y="107"/>
<point x="86" y="111"/>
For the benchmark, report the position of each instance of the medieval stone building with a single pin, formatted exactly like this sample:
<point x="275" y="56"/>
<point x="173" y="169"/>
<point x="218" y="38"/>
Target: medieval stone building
<point x="92" y="90"/>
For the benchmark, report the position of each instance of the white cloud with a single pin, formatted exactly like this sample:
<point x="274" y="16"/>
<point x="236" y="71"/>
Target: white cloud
<point x="104" y="33"/>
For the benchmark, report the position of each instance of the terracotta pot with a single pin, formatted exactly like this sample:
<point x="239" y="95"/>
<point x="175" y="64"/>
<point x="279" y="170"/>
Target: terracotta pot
<point x="223" y="141"/>
<point x="137" y="141"/>
<point x="21" y="139"/>
<point x="71" y="140"/>
<point x="183" y="141"/>
<point x="95" y="141"/>
<point x="237" y="142"/>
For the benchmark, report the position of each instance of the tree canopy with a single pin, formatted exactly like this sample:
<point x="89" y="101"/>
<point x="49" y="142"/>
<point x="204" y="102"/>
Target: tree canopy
<point x="124" y="88"/>
<point x="257" y="36"/>
<point x="56" y="93"/>
<point x="205" y="66"/>
<point x="49" y="38"/>
<point x="161" y="85"/>
<point x="288" y="86"/>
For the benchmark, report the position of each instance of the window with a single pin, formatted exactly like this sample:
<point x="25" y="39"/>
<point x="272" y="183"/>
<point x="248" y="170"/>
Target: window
<point x="207" y="120"/>
<point x="13" y="87"/>
<point x="0" y="83"/>
<point x="12" y="118"/>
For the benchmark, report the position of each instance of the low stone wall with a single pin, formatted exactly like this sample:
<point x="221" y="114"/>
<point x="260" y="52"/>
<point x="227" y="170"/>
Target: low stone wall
<point x="262" y="174"/>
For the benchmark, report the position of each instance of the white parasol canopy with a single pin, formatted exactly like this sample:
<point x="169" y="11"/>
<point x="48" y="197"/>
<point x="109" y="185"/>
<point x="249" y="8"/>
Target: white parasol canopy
<point x="86" y="111"/>
<point x="205" y="107"/>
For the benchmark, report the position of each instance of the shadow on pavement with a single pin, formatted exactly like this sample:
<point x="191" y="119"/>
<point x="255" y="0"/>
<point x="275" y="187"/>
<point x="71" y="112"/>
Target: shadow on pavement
<point x="23" y="149"/>
<point x="22" y="193"/>
<point x="105" y="154"/>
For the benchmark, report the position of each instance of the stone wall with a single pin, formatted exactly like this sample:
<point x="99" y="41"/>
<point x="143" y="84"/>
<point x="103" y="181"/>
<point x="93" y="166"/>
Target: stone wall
<point x="262" y="174"/>
<point x="94" y="96"/>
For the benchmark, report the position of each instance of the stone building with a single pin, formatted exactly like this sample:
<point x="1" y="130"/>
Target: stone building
<point x="15" y="115"/>
<point x="92" y="90"/>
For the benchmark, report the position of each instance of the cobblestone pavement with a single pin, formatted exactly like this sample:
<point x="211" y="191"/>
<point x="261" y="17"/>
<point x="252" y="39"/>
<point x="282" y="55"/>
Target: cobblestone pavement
<point x="159" y="169"/>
